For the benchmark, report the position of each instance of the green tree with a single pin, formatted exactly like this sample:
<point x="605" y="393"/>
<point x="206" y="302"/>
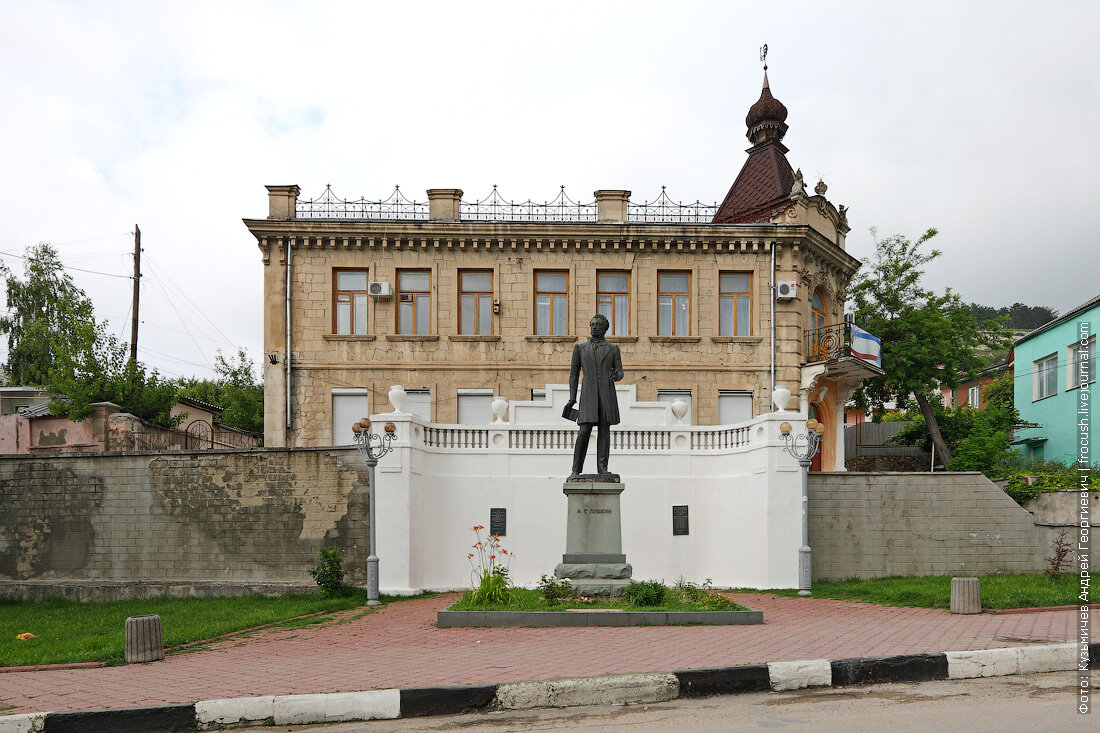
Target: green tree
<point x="106" y="373"/>
<point x="48" y="317"/>
<point x="235" y="390"/>
<point x="1017" y="316"/>
<point x="978" y="438"/>
<point x="927" y="339"/>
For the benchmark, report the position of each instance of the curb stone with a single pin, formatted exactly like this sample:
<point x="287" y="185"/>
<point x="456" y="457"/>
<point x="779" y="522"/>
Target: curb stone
<point x="612" y="689"/>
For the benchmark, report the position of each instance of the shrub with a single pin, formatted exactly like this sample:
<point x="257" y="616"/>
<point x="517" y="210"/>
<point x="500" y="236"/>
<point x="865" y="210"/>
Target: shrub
<point x="1059" y="563"/>
<point x="705" y="595"/>
<point x="555" y="590"/>
<point x="645" y="593"/>
<point x="328" y="572"/>
<point x="1024" y="486"/>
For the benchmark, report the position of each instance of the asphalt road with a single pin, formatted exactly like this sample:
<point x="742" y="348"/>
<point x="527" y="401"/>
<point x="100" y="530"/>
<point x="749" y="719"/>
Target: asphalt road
<point x="1044" y="702"/>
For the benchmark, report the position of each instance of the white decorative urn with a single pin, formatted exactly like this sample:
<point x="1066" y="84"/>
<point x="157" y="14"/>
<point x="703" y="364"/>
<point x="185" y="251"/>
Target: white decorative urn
<point x="499" y="407"/>
<point x="397" y="397"/>
<point x="679" y="409"/>
<point x="780" y="397"/>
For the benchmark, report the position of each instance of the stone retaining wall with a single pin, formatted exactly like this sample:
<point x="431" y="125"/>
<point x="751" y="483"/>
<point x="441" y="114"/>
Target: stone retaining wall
<point x="187" y="523"/>
<point x="869" y="525"/>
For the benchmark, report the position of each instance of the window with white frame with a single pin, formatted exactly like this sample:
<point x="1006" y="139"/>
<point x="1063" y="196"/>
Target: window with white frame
<point x="734" y="406"/>
<point x="1081" y="361"/>
<point x="419" y="402"/>
<point x="974" y="397"/>
<point x="1045" y="377"/>
<point x="671" y="395"/>
<point x="349" y="406"/>
<point x="475" y="406"/>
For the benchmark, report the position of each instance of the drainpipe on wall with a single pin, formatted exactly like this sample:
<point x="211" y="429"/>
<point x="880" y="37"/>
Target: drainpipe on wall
<point x="771" y="290"/>
<point x="286" y="360"/>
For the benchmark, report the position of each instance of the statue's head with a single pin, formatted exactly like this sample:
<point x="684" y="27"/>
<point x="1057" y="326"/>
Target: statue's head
<point x="599" y="325"/>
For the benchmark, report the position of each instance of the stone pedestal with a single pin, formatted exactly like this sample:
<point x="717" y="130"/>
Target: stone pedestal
<point x="144" y="639"/>
<point x="594" y="561"/>
<point x="966" y="595"/>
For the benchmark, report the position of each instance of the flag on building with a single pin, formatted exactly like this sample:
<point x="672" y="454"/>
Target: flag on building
<point x="866" y="346"/>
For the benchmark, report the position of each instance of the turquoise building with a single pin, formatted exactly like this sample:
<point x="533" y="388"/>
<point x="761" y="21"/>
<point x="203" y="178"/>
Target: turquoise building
<point x="1050" y="364"/>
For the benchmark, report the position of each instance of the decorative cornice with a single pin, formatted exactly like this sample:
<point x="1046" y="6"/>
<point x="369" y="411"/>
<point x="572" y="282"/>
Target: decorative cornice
<point x="806" y="243"/>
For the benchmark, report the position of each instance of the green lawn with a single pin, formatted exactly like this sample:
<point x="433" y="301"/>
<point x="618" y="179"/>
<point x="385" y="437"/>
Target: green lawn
<point x="67" y="631"/>
<point x="531" y="600"/>
<point x="934" y="591"/>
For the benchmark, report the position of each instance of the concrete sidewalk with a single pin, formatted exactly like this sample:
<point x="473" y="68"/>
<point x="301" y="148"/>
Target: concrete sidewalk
<point x="398" y="647"/>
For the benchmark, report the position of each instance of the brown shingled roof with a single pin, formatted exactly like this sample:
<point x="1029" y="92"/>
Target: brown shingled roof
<point x="764" y="184"/>
<point x="761" y="189"/>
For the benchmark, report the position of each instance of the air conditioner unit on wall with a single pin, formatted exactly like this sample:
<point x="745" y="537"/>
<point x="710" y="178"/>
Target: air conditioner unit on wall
<point x="786" y="289"/>
<point x="378" y="289"/>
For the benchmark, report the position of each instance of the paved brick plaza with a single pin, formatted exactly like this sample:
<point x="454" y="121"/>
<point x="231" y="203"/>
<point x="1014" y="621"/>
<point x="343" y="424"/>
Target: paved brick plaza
<point x="398" y="646"/>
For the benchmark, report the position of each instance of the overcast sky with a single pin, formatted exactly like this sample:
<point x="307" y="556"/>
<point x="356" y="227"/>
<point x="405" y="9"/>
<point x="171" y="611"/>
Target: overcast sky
<point x="980" y="119"/>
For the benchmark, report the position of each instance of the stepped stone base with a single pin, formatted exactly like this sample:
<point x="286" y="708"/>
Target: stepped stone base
<point x="602" y="587"/>
<point x="586" y="571"/>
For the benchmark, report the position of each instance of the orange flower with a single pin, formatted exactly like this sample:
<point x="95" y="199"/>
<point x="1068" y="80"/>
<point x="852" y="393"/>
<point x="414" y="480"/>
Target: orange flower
<point x="478" y="527"/>
<point x="469" y="556"/>
<point x="504" y="551"/>
<point x="492" y="557"/>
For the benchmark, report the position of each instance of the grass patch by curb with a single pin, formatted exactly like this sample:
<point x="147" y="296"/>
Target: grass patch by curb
<point x="934" y="591"/>
<point x="531" y="600"/>
<point x="69" y="631"/>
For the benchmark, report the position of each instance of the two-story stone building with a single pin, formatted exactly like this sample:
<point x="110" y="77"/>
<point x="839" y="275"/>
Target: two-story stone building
<point x="463" y="301"/>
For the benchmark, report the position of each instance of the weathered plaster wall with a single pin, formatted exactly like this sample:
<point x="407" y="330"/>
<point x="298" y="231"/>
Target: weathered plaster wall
<point x="187" y="518"/>
<point x="871" y="525"/>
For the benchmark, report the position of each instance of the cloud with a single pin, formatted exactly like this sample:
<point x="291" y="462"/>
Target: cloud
<point x="975" y="118"/>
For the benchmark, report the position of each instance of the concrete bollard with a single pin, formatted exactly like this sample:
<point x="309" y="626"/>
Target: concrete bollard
<point x="966" y="595"/>
<point x="144" y="640"/>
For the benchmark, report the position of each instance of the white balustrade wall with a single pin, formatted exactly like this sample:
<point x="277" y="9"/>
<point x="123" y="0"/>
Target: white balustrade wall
<point x="742" y="490"/>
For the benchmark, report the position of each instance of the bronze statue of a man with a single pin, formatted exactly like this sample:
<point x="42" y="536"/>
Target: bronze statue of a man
<point x="602" y="365"/>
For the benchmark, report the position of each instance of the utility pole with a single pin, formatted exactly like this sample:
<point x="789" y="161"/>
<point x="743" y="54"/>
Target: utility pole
<point x="137" y="293"/>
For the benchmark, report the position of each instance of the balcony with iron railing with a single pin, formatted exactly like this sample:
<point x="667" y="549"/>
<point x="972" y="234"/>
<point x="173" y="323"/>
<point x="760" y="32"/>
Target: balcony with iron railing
<point x="845" y="347"/>
<point x="495" y="208"/>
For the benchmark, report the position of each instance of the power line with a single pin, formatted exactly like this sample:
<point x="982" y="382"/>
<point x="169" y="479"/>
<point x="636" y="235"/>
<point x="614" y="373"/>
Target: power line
<point x="167" y="297"/>
<point x="78" y="269"/>
<point x="164" y="355"/>
<point x="199" y="311"/>
<point x="93" y="239"/>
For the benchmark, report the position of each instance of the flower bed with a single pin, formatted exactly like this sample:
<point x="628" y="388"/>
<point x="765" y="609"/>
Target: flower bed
<point x="646" y="603"/>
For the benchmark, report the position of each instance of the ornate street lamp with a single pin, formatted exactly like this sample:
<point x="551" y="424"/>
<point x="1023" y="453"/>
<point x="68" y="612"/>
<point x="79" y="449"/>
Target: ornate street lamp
<point x="373" y="447"/>
<point x="803" y="448"/>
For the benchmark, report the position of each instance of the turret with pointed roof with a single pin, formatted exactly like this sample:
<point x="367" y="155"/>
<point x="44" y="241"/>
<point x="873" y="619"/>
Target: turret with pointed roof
<point x="764" y="184"/>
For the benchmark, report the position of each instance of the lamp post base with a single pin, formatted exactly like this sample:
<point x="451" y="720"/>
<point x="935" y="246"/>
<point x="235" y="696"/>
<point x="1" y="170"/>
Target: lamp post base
<point x="804" y="571"/>
<point x="372" y="581"/>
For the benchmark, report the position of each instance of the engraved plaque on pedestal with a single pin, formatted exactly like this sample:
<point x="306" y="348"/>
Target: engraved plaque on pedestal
<point x="498" y="523"/>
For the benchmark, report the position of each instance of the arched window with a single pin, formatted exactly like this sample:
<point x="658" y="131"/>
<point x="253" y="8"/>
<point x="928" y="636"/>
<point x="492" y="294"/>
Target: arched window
<point x="818" y="345"/>
<point x="817" y="311"/>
